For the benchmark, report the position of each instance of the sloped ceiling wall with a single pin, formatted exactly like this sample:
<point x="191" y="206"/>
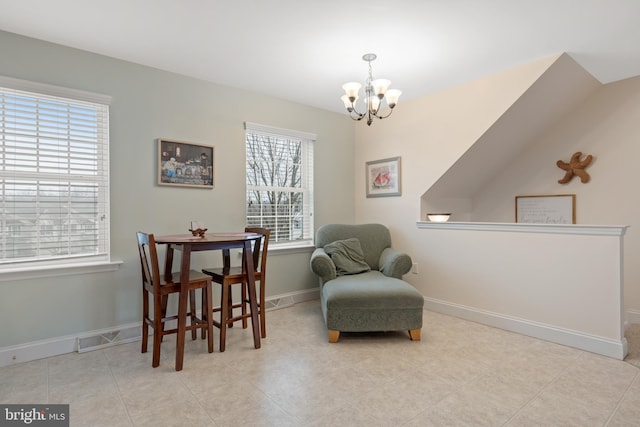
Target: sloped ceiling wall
<point x="559" y="89"/>
<point x="431" y="134"/>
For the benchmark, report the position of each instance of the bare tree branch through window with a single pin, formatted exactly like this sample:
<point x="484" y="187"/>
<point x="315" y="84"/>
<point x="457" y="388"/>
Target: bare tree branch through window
<point x="279" y="195"/>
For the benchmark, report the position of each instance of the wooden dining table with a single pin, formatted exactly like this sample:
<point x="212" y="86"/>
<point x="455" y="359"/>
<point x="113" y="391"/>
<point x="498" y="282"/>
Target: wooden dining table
<point x="187" y="243"/>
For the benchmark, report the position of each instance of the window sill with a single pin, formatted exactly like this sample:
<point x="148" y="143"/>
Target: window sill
<point x="289" y="249"/>
<point x="58" y="270"/>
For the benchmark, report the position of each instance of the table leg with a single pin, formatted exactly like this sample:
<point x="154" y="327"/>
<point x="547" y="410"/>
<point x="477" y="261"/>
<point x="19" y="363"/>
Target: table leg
<point x="251" y="283"/>
<point x="185" y="266"/>
<point x="168" y="263"/>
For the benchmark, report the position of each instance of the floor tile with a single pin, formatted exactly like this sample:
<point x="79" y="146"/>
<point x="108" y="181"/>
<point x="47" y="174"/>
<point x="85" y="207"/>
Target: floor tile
<point x="460" y="374"/>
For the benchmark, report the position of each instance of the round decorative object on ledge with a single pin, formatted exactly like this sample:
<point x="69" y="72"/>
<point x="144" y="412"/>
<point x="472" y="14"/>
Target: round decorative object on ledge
<point x="438" y="217"/>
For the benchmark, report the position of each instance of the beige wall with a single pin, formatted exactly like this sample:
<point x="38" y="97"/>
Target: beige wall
<point x="148" y="104"/>
<point x="605" y="126"/>
<point x="431" y="133"/>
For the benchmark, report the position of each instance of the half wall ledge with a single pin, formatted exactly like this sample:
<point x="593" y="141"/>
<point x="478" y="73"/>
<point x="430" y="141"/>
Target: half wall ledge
<point x="606" y="230"/>
<point x="557" y="282"/>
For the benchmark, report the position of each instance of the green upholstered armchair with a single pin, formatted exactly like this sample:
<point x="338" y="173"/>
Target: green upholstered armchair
<point x="361" y="286"/>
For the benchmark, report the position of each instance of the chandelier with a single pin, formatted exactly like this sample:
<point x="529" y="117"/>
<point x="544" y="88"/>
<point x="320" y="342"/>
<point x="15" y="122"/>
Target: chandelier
<point x="375" y="91"/>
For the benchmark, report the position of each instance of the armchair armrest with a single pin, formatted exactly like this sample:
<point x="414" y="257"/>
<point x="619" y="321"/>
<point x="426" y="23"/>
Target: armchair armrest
<point x="394" y="263"/>
<point x="322" y="266"/>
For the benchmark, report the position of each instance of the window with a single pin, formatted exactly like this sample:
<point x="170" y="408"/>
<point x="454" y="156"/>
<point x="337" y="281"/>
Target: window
<point x="54" y="176"/>
<point x="280" y="183"/>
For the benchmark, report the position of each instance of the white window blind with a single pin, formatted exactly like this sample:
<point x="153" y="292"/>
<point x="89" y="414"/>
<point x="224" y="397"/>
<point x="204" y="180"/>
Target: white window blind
<point x="54" y="175"/>
<point x="279" y="175"/>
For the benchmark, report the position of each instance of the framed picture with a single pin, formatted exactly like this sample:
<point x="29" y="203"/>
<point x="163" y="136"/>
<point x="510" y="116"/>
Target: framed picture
<point x="185" y="164"/>
<point x="383" y="178"/>
<point x="553" y="209"/>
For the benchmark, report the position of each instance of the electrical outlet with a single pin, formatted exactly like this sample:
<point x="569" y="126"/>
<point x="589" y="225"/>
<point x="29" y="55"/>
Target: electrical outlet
<point x="414" y="268"/>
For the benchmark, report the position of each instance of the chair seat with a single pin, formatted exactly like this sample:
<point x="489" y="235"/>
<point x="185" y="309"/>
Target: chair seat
<point x="371" y="290"/>
<point x="174" y="286"/>
<point x="194" y="276"/>
<point x="371" y="302"/>
<point x="234" y="273"/>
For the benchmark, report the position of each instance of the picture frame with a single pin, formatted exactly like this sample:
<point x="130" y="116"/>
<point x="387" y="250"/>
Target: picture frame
<point x="546" y="209"/>
<point x="185" y="164"/>
<point x="383" y="177"/>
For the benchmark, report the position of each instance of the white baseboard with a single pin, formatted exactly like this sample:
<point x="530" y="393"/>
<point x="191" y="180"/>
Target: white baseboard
<point x="37" y="350"/>
<point x="298" y="296"/>
<point x="633" y="316"/>
<point x="68" y="344"/>
<point x="599" y="345"/>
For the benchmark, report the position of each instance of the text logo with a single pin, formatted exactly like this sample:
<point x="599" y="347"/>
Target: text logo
<point x="34" y="415"/>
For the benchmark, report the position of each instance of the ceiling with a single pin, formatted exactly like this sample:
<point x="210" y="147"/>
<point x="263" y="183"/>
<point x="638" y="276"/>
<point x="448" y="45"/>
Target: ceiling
<point x="303" y="50"/>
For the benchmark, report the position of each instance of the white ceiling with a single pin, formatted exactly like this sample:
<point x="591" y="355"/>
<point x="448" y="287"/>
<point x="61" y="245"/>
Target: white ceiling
<point x="303" y="50"/>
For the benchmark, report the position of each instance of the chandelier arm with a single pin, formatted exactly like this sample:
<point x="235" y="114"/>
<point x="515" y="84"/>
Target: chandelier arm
<point x="357" y="117"/>
<point x="385" y="116"/>
<point x="353" y="110"/>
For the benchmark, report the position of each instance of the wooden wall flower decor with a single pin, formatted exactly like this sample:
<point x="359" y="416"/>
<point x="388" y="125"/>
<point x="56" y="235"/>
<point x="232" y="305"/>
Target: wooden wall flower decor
<point x="575" y="167"/>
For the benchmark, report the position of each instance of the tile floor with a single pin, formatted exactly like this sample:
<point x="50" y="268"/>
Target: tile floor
<point x="460" y="374"/>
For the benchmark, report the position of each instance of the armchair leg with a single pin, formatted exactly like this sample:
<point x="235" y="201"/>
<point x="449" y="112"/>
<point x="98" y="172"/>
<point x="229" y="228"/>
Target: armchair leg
<point x="333" y="336"/>
<point x="414" y="334"/>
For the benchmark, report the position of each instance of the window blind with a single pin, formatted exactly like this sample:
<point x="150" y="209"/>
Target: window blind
<point x="279" y="174"/>
<point x="54" y="176"/>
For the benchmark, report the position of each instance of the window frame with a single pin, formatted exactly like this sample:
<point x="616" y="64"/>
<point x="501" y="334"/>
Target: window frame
<point x="69" y="264"/>
<point x="308" y="140"/>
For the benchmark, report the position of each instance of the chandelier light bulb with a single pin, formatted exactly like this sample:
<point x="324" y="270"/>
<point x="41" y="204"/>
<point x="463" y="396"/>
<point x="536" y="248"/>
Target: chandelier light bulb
<point x="380" y="86"/>
<point x="348" y="104"/>
<point x="392" y="96"/>
<point x="351" y="90"/>
<point x="375" y="104"/>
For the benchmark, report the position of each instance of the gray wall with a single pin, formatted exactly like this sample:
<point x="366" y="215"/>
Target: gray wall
<point x="147" y="104"/>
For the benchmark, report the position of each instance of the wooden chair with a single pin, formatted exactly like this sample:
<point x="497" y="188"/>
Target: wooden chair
<point x="227" y="276"/>
<point x="154" y="284"/>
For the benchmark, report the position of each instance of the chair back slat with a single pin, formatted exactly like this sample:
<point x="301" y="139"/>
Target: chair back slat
<point x="149" y="260"/>
<point x="260" y="248"/>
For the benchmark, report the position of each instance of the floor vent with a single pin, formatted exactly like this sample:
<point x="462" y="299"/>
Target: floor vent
<point x="129" y="333"/>
<point x="276" y="303"/>
<point x="104" y="339"/>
